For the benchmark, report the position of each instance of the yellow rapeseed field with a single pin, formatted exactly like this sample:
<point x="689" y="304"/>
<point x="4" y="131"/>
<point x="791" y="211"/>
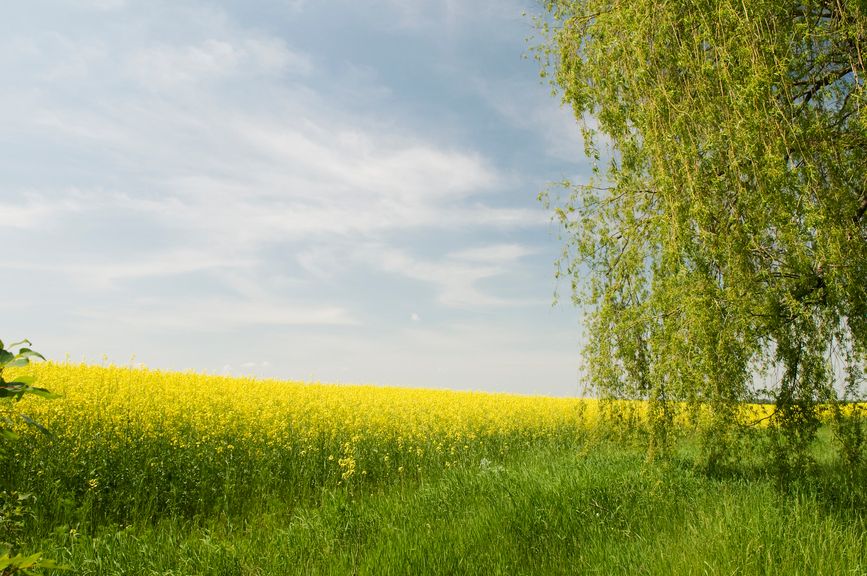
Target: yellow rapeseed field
<point x="189" y="440"/>
<point x="136" y="442"/>
<point x="146" y="404"/>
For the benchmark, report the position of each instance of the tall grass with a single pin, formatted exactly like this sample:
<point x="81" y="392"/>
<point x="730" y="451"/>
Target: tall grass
<point x="606" y="511"/>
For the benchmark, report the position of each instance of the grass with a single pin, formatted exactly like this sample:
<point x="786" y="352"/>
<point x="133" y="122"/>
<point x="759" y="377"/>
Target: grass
<point x="603" y="511"/>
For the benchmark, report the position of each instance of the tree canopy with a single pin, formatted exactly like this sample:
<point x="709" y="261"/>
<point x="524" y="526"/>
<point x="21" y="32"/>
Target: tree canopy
<point x="720" y="248"/>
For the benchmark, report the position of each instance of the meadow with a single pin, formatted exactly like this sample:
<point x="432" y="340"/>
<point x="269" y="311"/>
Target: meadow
<point x="149" y="472"/>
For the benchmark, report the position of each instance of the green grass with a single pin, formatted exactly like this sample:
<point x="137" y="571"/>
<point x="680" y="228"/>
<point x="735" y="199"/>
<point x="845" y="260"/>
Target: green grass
<point x="602" y="511"/>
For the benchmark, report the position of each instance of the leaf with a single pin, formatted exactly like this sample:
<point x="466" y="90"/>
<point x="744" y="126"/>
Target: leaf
<point x="46" y="563"/>
<point x="37" y="425"/>
<point x="19" y="343"/>
<point x="8" y="435"/>
<point x="25" y="562"/>
<point x="9" y="390"/>
<point x="41" y="392"/>
<point x="25" y="380"/>
<point x="18" y="362"/>
<point x="5" y="357"/>
<point x="27" y="352"/>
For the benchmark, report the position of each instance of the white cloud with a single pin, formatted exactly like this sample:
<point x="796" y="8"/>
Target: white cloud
<point x="169" y="67"/>
<point x="494" y="253"/>
<point x="449" y="15"/>
<point x="531" y="108"/>
<point x="217" y="314"/>
<point x="93" y="274"/>
<point x="99" y="5"/>
<point x="34" y="211"/>
<point x="238" y="170"/>
<point x="456" y="276"/>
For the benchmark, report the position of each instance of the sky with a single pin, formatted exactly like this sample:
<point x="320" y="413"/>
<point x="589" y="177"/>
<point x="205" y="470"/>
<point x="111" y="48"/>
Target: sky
<point x="330" y="191"/>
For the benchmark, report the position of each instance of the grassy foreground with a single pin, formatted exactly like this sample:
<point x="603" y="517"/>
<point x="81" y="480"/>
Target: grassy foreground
<point x="179" y="474"/>
<point x="607" y="511"/>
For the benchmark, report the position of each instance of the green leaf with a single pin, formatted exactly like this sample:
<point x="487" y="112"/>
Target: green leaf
<point x="18" y="362"/>
<point x="26" y="380"/>
<point x="5" y="357"/>
<point x="27" y="352"/>
<point x="19" y="343"/>
<point x="46" y="563"/>
<point x="41" y="392"/>
<point x="8" y="435"/>
<point x="11" y="389"/>
<point x="25" y="562"/>
<point x="36" y="425"/>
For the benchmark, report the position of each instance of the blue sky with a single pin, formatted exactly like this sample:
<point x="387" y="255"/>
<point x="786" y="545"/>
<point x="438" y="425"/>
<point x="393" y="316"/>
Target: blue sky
<point x="333" y="190"/>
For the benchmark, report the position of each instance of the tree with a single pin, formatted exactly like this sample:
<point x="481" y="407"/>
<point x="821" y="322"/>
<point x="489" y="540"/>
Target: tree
<point x="723" y="233"/>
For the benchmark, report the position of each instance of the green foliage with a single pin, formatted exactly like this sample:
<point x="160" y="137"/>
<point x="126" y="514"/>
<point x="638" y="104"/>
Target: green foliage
<point x="15" y="506"/>
<point x="720" y="248"/>
<point x="21" y="564"/>
<point x="13" y="390"/>
<point x="14" y="510"/>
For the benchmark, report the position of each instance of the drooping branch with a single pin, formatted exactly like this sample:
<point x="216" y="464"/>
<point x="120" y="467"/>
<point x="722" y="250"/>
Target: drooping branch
<point x="862" y="209"/>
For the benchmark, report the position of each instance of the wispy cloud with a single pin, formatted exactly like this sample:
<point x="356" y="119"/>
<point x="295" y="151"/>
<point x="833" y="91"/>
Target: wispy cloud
<point x="448" y="15"/>
<point x="108" y="274"/>
<point x="167" y="68"/>
<point x="105" y="5"/>
<point x="529" y="108"/>
<point x="457" y="275"/>
<point x="216" y="314"/>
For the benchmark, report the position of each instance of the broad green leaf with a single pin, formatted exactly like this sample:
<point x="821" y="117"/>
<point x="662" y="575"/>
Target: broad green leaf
<point x="5" y="357"/>
<point x="18" y="362"/>
<point x="27" y="352"/>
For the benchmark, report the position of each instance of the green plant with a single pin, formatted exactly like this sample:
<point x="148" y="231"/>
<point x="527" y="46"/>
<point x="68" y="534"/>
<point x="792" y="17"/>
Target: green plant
<point x="14" y="506"/>
<point x="14" y="510"/>
<point x="13" y="390"/>
<point x="20" y="564"/>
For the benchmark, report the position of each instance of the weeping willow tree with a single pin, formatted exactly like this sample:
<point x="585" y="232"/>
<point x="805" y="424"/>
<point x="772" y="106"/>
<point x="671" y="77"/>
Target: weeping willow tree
<point x="720" y="248"/>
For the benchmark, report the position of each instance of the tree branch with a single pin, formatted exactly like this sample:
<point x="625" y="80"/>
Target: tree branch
<point x="862" y="208"/>
<point x="816" y="85"/>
